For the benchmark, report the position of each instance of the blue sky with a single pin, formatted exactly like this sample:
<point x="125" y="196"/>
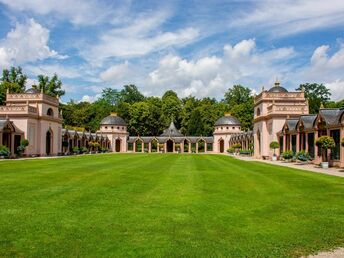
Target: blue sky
<point x="198" y="48"/>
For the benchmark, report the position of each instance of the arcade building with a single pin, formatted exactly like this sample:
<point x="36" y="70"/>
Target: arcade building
<point x="279" y="115"/>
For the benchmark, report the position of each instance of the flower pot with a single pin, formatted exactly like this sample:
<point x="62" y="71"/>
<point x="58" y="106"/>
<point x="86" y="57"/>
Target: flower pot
<point x="274" y="158"/>
<point x="324" y="164"/>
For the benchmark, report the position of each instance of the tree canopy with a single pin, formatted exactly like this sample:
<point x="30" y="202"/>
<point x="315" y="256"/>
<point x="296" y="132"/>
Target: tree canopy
<point x="316" y="94"/>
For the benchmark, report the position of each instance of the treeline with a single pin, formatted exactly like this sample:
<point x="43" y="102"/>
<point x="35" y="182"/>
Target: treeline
<point x="151" y="115"/>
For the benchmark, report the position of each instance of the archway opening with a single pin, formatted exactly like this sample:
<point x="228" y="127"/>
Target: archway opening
<point x="222" y="146"/>
<point x="138" y="145"/>
<point x="169" y="145"/>
<point x="186" y="145"/>
<point x="48" y="144"/>
<point x="154" y="145"/>
<point x="118" y="145"/>
<point x="201" y="146"/>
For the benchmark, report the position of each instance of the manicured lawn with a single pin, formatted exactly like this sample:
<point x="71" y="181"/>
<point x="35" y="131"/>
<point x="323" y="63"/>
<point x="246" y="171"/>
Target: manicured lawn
<point x="166" y="206"/>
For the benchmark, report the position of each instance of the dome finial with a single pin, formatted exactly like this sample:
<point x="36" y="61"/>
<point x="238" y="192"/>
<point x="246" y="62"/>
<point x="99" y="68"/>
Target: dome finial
<point x="277" y="83"/>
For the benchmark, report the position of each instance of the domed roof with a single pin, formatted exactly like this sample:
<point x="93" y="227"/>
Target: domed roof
<point x="277" y="88"/>
<point x="227" y="120"/>
<point x="113" y="119"/>
<point x="32" y="91"/>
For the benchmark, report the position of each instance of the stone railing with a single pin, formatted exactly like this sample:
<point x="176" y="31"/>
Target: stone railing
<point x="31" y="97"/>
<point x="278" y="96"/>
<point x="286" y="109"/>
<point x="18" y="110"/>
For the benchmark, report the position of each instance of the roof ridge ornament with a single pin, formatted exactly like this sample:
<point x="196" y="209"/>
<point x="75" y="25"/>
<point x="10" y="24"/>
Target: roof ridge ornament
<point x="277" y="83"/>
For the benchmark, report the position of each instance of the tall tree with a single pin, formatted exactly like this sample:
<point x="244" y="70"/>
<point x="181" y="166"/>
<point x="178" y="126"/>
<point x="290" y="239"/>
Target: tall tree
<point x="316" y="94"/>
<point x="131" y="94"/>
<point x="52" y="87"/>
<point x="240" y="103"/>
<point x="238" y="94"/>
<point x="111" y="96"/>
<point x="14" y="80"/>
<point x="171" y="108"/>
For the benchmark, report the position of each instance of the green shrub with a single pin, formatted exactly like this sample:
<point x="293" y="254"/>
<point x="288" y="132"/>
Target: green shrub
<point x="343" y="142"/>
<point x="236" y="146"/>
<point x="65" y="144"/>
<point x="4" y="151"/>
<point x="83" y="150"/>
<point x="274" y="145"/>
<point x="325" y="143"/>
<point x="288" y="154"/>
<point x="246" y="152"/>
<point x="231" y="150"/>
<point x="104" y="150"/>
<point x="24" y="143"/>
<point x="303" y="156"/>
<point x="76" y="150"/>
<point x="21" y="148"/>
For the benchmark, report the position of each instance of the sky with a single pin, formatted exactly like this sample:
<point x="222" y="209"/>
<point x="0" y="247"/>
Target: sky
<point x="199" y="48"/>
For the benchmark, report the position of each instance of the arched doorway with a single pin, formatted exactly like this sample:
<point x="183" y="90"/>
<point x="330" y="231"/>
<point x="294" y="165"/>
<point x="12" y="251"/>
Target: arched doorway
<point x="48" y="143"/>
<point x="186" y="145"/>
<point x="222" y="145"/>
<point x="154" y="145"/>
<point x="169" y="145"/>
<point x="118" y="145"/>
<point x="201" y="146"/>
<point x="138" y="145"/>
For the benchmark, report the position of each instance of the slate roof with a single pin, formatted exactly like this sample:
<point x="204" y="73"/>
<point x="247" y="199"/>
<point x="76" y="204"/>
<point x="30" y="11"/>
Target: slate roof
<point x="308" y="121"/>
<point x="113" y="120"/>
<point x="278" y="89"/>
<point x="291" y="123"/>
<point x="227" y="120"/>
<point x="171" y="131"/>
<point x="331" y="115"/>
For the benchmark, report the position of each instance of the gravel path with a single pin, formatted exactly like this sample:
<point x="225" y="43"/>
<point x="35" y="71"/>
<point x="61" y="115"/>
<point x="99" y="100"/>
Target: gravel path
<point x="338" y="253"/>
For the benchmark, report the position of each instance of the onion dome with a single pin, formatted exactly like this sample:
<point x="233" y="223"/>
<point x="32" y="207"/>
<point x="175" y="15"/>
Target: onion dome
<point x="32" y="91"/>
<point x="113" y="119"/>
<point x="227" y="120"/>
<point x="277" y="88"/>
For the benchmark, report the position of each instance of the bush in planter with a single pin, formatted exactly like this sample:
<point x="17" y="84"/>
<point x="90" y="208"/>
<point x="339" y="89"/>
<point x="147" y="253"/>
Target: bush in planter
<point x="303" y="156"/>
<point x="4" y="151"/>
<point x="246" y="152"/>
<point x="288" y="155"/>
<point x="21" y="148"/>
<point x="231" y="150"/>
<point x="76" y="150"/>
<point x="83" y="150"/>
<point x="325" y="143"/>
<point x="274" y="145"/>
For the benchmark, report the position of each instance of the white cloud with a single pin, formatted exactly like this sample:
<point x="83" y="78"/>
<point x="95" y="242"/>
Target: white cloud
<point x="26" y="42"/>
<point x="211" y="76"/>
<point x="281" y="18"/>
<point x="90" y="99"/>
<point x="138" y="37"/>
<point x="327" y="69"/>
<point x="76" y="11"/>
<point x="116" y="72"/>
<point x="51" y="69"/>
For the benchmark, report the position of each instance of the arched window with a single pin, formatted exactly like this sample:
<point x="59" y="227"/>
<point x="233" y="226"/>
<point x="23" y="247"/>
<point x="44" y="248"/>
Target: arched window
<point x="258" y="111"/>
<point x="50" y="112"/>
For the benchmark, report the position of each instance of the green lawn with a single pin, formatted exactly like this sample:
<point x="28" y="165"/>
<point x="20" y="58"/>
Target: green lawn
<point x="162" y="205"/>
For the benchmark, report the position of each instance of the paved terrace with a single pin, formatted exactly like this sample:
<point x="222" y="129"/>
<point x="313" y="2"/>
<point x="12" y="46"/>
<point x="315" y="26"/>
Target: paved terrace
<point x="303" y="166"/>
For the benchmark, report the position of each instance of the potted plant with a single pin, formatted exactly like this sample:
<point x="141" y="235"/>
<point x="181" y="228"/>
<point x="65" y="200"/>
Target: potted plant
<point x="274" y="145"/>
<point x="231" y="150"/>
<point x="4" y="152"/>
<point x="76" y="150"/>
<point x="21" y="148"/>
<point x="303" y="156"/>
<point x="324" y="143"/>
<point x="288" y="155"/>
<point x="83" y="150"/>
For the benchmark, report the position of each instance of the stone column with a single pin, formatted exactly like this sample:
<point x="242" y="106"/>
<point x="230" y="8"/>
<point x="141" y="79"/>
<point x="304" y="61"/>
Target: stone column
<point x="165" y="147"/>
<point x="182" y="147"/>
<point x="142" y="147"/>
<point x="306" y="142"/>
<point x="150" y="147"/>
<point x="189" y="147"/>
<point x="196" y="147"/>
<point x="205" y="147"/>
<point x="134" y="146"/>
<point x="174" y="147"/>
<point x="341" y="164"/>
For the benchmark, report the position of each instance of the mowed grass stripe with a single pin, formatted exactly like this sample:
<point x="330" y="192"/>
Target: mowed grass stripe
<point x="166" y="205"/>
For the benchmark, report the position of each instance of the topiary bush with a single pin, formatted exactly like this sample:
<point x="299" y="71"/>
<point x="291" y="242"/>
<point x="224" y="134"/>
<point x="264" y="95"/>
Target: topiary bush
<point x="83" y="150"/>
<point x="287" y="155"/>
<point x="303" y="156"/>
<point x="274" y="145"/>
<point x="324" y="143"/>
<point x="4" y="151"/>
<point x="231" y="150"/>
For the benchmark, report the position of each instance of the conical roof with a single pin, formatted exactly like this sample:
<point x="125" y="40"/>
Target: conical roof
<point x="171" y="131"/>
